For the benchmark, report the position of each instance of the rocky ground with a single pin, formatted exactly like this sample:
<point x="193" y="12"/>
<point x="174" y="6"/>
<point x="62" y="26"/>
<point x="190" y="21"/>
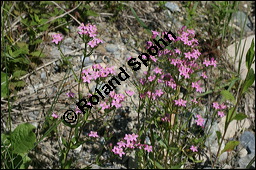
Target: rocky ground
<point x="121" y="38"/>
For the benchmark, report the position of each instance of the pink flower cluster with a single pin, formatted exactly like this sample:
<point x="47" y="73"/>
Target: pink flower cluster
<point x="70" y="94"/>
<point x="166" y="118"/>
<point x="57" y="38"/>
<point x="130" y="142"/>
<point x="194" y="148"/>
<point x="54" y="115"/>
<point x="158" y="93"/>
<point x="197" y="86"/>
<point x="200" y="121"/>
<point x="96" y="72"/>
<point x="93" y="134"/>
<point x="117" y="99"/>
<point x="91" y="31"/>
<point x="211" y="62"/>
<point x="219" y="107"/>
<point x="180" y="102"/>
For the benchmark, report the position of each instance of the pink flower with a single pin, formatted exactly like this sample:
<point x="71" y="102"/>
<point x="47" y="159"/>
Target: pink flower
<point x="213" y="62"/>
<point x="149" y="44"/>
<point x="159" y="92"/>
<point x="148" y="148"/>
<point x="104" y="106"/>
<point x="180" y="102"/>
<point x="87" y="79"/>
<point x="142" y="81"/>
<point x="151" y="78"/>
<point x="155" y="34"/>
<point x="188" y="55"/>
<point x="54" y="115"/>
<point x="158" y="70"/>
<point x="130" y="145"/>
<point x="215" y="105"/>
<point x="130" y="93"/>
<point x="171" y="84"/>
<point x="130" y="138"/>
<point x="87" y="30"/>
<point x="197" y="86"/>
<point x="194" y="148"/>
<point x="196" y="53"/>
<point x="153" y="58"/>
<point x="177" y="51"/>
<point x="94" y="42"/>
<point x="207" y="63"/>
<point x="221" y="113"/>
<point x="77" y="110"/>
<point x="194" y="100"/>
<point x="222" y="106"/>
<point x="57" y="38"/>
<point x="93" y="134"/>
<point x="166" y="118"/>
<point x="70" y="94"/>
<point x="184" y="71"/>
<point x="204" y="75"/>
<point x="121" y="144"/>
<point x="116" y="104"/>
<point x="118" y="151"/>
<point x="200" y="120"/>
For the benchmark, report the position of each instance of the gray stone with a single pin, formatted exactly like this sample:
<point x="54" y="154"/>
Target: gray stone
<point x="243" y="162"/>
<point x="246" y="43"/>
<point x="55" y="53"/>
<point x="111" y="48"/>
<point x="43" y="76"/>
<point x="247" y="140"/>
<point x="33" y="115"/>
<point x="68" y="41"/>
<point x="117" y="54"/>
<point x="213" y="136"/>
<point x="87" y="61"/>
<point x="172" y="6"/>
<point x="239" y="18"/>
<point x="117" y="117"/>
<point x="66" y="50"/>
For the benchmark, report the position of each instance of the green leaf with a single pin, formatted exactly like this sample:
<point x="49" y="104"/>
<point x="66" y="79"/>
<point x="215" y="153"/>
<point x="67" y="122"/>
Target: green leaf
<point x="91" y="13"/>
<point x="19" y="73"/>
<point x="218" y="135"/>
<point x="23" y="138"/>
<point x="227" y="95"/>
<point x="141" y="22"/>
<point x="158" y="165"/>
<point x="250" y="56"/>
<point x="176" y="166"/>
<point x="20" y="60"/>
<point x="37" y="54"/>
<point x="230" y="146"/>
<point x="5" y="139"/>
<point x="239" y="116"/>
<point x="20" y="83"/>
<point x="38" y="41"/>
<point x="64" y="142"/>
<point x="4" y="88"/>
<point x="37" y="18"/>
<point x="229" y="114"/>
<point x="248" y="80"/>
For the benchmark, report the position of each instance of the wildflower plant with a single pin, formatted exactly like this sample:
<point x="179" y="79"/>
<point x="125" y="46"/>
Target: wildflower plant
<point x="171" y="119"/>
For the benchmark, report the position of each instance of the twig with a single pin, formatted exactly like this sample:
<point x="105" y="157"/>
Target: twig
<point x="63" y="14"/>
<point x="46" y="65"/>
<point x="68" y="12"/>
<point x="128" y="16"/>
